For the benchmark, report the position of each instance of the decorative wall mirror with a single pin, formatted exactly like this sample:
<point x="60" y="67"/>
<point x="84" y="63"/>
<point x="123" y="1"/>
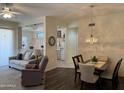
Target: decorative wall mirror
<point x="51" y="40"/>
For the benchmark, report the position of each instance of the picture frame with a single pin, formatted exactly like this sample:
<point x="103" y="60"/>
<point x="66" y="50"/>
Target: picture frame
<point x="51" y="40"/>
<point x="59" y="34"/>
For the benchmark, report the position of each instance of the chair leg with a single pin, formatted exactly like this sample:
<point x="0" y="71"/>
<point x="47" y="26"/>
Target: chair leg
<point x="117" y="80"/>
<point x="79" y="76"/>
<point x="99" y="85"/>
<point x="82" y="84"/>
<point x="114" y="84"/>
<point x="75" y="76"/>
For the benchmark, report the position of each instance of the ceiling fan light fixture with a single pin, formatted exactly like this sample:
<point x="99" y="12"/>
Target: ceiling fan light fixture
<point x="6" y="12"/>
<point x="6" y="9"/>
<point x="7" y="15"/>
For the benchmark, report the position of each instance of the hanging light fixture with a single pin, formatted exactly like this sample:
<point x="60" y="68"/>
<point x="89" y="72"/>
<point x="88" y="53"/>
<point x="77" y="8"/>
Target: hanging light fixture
<point x="6" y="12"/>
<point x="91" y="39"/>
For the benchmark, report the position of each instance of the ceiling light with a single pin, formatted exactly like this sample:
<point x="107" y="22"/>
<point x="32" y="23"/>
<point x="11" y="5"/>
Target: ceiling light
<point x="6" y="12"/>
<point x="91" y="39"/>
<point x="7" y="15"/>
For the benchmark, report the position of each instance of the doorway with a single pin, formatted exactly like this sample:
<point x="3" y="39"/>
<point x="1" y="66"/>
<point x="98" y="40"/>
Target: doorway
<point x="6" y="46"/>
<point x="61" y="43"/>
<point x="72" y="44"/>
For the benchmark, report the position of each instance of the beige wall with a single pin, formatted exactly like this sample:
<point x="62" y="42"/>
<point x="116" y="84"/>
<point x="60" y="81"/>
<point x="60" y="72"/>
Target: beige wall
<point x="50" y="26"/>
<point x="14" y="27"/>
<point x="109" y="30"/>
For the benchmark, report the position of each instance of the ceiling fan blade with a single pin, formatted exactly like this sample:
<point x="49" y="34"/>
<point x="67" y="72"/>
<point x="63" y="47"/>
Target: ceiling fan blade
<point x="1" y="13"/>
<point x="16" y="13"/>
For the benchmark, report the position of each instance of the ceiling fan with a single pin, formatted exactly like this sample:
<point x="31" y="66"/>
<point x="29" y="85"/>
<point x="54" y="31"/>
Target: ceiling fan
<point x="6" y="12"/>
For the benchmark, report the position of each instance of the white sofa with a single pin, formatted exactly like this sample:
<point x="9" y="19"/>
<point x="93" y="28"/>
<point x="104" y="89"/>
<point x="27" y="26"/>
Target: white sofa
<point x="20" y="64"/>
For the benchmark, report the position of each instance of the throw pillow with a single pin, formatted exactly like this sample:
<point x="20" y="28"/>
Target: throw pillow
<point x="27" y="55"/>
<point x="22" y="51"/>
<point x="19" y="56"/>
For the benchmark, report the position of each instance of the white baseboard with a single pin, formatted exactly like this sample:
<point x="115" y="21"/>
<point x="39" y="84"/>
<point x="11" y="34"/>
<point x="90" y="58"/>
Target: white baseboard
<point x="66" y="66"/>
<point x="62" y="66"/>
<point x="51" y="68"/>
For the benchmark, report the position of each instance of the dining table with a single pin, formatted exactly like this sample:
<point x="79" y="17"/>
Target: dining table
<point x="100" y="65"/>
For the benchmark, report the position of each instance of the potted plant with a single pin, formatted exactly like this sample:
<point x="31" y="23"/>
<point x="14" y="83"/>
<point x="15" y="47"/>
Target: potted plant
<point x="94" y="59"/>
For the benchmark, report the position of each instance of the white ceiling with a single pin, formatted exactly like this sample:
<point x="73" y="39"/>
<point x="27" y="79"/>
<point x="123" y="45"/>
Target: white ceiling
<point x="70" y="11"/>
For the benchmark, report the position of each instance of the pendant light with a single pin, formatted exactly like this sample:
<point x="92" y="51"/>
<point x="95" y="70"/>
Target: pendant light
<point x="91" y="39"/>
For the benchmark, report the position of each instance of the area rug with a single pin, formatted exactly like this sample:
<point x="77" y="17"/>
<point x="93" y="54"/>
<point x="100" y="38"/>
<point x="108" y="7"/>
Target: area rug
<point x="10" y="79"/>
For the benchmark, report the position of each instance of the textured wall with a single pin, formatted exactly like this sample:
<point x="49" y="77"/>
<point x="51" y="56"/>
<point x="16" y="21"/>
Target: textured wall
<point x="109" y="30"/>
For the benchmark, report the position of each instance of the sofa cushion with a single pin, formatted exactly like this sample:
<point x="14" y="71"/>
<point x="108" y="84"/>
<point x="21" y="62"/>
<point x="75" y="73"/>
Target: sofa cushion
<point x="24" y="63"/>
<point x="19" y="62"/>
<point x="27" y="55"/>
<point x="14" y="61"/>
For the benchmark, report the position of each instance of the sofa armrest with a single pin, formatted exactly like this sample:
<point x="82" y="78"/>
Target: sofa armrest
<point x="12" y="57"/>
<point x="30" y="70"/>
<point x="32" y="61"/>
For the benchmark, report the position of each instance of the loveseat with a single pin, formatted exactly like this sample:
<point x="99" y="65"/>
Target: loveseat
<point x="24" y="57"/>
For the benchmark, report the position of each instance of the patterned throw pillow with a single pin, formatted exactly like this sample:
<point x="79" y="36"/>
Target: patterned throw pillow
<point x="19" y="56"/>
<point x="27" y="55"/>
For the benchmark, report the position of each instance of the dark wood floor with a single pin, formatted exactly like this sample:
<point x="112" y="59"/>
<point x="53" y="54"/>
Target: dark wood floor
<point x="63" y="79"/>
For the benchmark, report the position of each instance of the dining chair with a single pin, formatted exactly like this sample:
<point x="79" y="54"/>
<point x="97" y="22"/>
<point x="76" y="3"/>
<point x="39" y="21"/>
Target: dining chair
<point x="87" y="74"/>
<point x="77" y="59"/>
<point x="112" y="76"/>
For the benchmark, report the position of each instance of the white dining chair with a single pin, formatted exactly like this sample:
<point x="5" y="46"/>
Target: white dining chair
<point x="113" y="76"/>
<point x="87" y="74"/>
